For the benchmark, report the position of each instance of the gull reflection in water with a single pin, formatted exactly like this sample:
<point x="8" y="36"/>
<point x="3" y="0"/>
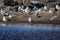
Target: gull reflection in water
<point x="4" y="24"/>
<point x="28" y="25"/>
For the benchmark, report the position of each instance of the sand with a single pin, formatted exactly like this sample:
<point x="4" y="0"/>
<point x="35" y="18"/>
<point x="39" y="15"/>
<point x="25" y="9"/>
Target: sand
<point x="23" y="17"/>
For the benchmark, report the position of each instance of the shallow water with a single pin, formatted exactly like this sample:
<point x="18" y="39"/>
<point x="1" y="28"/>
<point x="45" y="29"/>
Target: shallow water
<point x="29" y="32"/>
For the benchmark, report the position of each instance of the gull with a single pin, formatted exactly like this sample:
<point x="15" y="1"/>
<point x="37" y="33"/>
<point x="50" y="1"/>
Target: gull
<point x="4" y="19"/>
<point x="19" y="8"/>
<point x="22" y="8"/>
<point x="37" y="11"/>
<point x="2" y="12"/>
<point x="40" y="9"/>
<point x="7" y="9"/>
<point x="11" y="16"/>
<point x="27" y="10"/>
<point x="57" y="7"/>
<point x="53" y="18"/>
<point x="35" y="8"/>
<point x="51" y="10"/>
<point x="45" y="8"/>
<point x="6" y="14"/>
<point x="29" y="19"/>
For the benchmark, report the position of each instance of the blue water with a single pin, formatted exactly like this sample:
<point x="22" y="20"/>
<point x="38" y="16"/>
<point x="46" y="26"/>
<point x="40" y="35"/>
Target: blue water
<point x="29" y="32"/>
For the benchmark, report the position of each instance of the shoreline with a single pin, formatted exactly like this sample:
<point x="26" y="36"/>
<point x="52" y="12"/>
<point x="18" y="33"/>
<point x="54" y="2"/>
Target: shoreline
<point x="17" y="22"/>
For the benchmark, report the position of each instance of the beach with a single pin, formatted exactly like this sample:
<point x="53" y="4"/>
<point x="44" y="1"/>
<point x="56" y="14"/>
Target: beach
<point x="23" y="17"/>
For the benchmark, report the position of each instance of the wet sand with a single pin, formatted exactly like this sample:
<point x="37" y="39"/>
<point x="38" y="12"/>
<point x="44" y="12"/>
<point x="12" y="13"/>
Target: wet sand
<point x="23" y="17"/>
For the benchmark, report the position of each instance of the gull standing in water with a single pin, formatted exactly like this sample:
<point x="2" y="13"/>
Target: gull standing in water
<point x="4" y="19"/>
<point x="29" y="19"/>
